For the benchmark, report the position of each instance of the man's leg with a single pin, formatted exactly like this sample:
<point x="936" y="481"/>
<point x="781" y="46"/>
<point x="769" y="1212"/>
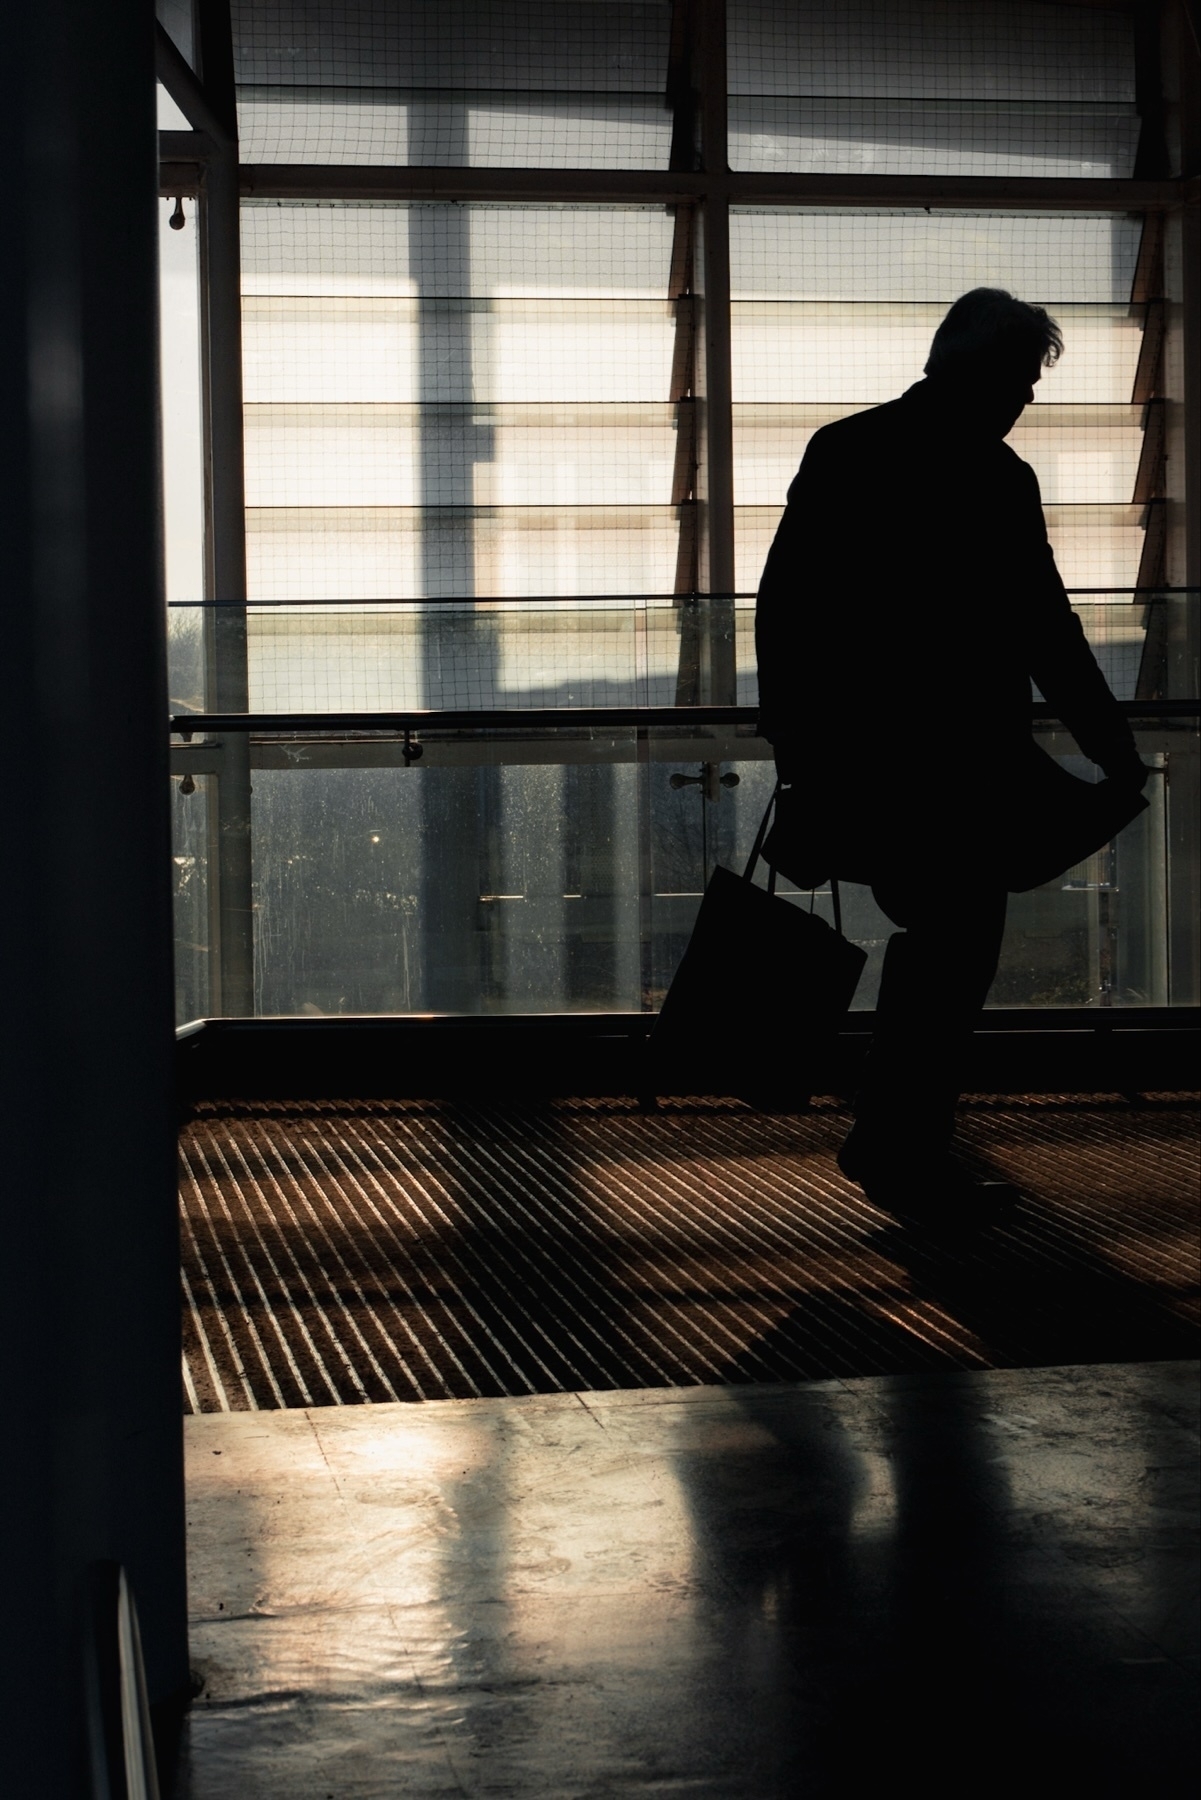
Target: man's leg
<point x="936" y="977"/>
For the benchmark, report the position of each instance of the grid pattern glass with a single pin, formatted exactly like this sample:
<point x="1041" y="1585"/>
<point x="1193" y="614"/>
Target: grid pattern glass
<point x="467" y="405"/>
<point x="931" y="87"/>
<point x="492" y="83"/>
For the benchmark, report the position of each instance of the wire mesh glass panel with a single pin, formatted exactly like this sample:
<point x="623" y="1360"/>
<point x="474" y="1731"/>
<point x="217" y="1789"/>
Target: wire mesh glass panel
<point x="914" y="255"/>
<point x="381" y="453"/>
<point x="443" y="350"/>
<point x="931" y="87"/>
<point x="433" y="250"/>
<point x="455" y="402"/>
<point x="500" y="83"/>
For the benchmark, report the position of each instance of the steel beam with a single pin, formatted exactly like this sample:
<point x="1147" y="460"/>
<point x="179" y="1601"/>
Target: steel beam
<point x="634" y="187"/>
<point x="188" y="93"/>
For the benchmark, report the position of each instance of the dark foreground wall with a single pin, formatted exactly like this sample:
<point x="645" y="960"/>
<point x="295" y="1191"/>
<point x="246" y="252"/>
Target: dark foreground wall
<point x="89" y="1334"/>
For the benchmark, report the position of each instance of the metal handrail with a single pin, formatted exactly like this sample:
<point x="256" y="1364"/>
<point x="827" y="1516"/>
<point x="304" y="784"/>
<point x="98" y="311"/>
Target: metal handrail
<point x="556" y="718"/>
<point x="690" y="596"/>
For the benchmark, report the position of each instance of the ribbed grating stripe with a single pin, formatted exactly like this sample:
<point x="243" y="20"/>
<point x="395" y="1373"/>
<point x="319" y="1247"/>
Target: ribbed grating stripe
<point x="342" y="1253"/>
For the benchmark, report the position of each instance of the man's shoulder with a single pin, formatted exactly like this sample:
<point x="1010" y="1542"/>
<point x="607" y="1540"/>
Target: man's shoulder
<point x="858" y="435"/>
<point x="857" y="428"/>
<point x="1016" y="465"/>
<point x="1015" y="477"/>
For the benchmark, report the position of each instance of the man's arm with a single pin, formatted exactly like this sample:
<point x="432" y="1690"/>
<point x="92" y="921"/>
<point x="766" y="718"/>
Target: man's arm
<point x="1060" y="660"/>
<point x="793" y="603"/>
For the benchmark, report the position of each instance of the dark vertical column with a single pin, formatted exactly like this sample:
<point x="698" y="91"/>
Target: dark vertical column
<point x="231" y="918"/>
<point x="89" y="1273"/>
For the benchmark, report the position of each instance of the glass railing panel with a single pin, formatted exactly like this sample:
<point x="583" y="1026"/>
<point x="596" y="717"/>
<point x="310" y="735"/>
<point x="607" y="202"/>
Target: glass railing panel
<point x="394" y="656"/>
<point x="596" y="651"/>
<point x="490" y="877"/>
<point x="552" y="870"/>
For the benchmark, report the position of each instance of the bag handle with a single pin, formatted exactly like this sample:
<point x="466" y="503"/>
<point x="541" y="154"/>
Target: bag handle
<point x="757" y="847"/>
<point x="757" y="851"/>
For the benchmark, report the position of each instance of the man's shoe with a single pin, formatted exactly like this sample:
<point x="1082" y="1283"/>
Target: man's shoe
<point x="931" y="1192"/>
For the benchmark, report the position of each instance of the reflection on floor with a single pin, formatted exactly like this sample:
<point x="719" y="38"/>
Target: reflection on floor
<point x="430" y="1249"/>
<point x="964" y="1583"/>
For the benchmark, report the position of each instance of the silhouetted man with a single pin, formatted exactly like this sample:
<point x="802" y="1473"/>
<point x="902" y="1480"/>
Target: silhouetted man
<point x="909" y="598"/>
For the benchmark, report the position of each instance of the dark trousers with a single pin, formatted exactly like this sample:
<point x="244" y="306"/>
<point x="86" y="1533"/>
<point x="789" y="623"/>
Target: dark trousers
<point x="936" y="977"/>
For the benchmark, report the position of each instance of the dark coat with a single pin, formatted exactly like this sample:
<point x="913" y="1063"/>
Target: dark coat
<point x="909" y="599"/>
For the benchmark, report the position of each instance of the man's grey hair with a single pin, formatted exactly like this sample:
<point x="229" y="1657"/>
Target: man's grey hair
<point x="988" y="329"/>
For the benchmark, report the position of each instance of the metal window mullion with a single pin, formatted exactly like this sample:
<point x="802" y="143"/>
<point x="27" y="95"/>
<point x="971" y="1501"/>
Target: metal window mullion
<point x="231" y="941"/>
<point x="719" y="677"/>
<point x="682" y="288"/>
<point x="648" y="187"/>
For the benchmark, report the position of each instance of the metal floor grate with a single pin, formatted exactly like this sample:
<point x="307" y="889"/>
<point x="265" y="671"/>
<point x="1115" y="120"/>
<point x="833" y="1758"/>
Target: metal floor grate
<point x="335" y="1254"/>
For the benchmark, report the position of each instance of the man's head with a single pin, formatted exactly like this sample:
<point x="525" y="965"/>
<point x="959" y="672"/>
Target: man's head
<point x="989" y="351"/>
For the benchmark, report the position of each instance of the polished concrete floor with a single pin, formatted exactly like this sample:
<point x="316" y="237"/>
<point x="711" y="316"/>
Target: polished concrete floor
<point x="962" y="1583"/>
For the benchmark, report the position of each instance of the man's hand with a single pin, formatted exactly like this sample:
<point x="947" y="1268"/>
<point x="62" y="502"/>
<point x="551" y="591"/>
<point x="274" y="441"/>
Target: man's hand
<point x="1131" y="772"/>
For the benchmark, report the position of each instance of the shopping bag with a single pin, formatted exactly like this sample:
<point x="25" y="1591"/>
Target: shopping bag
<point x="758" y="996"/>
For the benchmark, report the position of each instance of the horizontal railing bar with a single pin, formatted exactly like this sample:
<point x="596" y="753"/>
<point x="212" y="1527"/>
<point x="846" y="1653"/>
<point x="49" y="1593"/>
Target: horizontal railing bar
<point x="363" y="181"/>
<point x="479" y="600"/>
<point x="1098" y="1020"/>
<point x="481" y="719"/>
<point x="1166" y="593"/>
<point x="559" y="718"/>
